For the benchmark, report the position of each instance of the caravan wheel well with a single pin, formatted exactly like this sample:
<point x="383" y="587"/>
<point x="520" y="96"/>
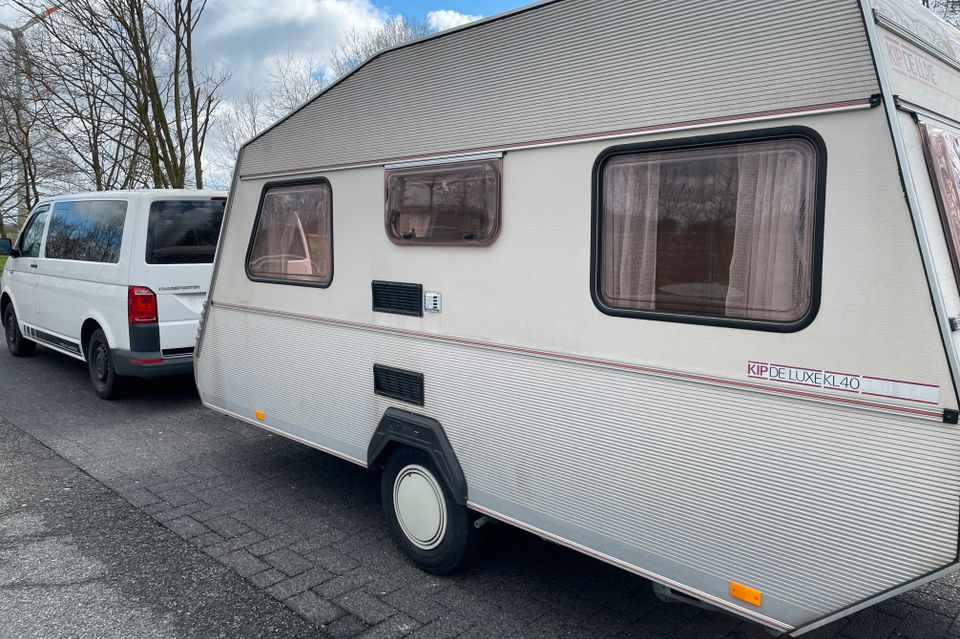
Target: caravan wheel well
<point x="402" y="429"/>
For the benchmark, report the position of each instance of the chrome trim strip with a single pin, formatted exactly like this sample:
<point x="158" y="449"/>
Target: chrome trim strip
<point x="675" y="585"/>
<point x="683" y="376"/>
<point x="927" y="114"/>
<point x="851" y="105"/>
<point x="470" y="157"/>
<point x="910" y="190"/>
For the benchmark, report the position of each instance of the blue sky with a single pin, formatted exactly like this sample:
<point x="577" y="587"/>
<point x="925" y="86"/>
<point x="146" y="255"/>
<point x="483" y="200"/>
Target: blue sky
<point x="469" y="7"/>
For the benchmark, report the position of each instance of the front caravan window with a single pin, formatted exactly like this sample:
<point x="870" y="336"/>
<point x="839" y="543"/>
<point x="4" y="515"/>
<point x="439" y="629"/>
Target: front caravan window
<point x="293" y="236"/>
<point x="719" y="233"/>
<point x="943" y="159"/>
<point x="449" y="204"/>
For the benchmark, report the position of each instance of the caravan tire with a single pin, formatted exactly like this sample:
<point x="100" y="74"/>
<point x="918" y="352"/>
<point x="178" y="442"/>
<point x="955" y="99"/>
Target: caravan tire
<point x="19" y="345"/>
<point x="436" y="533"/>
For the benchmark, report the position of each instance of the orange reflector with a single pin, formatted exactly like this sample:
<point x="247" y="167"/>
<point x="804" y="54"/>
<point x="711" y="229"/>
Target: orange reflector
<point x="260" y="414"/>
<point x="745" y="593"/>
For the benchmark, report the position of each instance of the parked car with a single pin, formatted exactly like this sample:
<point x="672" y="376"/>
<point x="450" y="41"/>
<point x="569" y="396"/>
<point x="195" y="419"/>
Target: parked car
<point x="699" y="283"/>
<point x="117" y="279"/>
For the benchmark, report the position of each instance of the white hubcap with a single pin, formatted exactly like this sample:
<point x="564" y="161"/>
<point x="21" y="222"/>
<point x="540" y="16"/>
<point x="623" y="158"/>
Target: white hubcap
<point x="420" y="508"/>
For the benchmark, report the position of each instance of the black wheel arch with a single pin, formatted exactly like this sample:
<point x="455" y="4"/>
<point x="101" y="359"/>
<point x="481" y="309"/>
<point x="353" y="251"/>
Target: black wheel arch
<point x="400" y="428"/>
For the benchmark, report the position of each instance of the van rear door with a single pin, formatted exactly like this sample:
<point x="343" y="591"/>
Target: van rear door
<point x="181" y="241"/>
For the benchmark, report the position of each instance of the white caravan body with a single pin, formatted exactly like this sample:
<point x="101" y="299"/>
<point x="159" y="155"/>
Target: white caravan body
<point x="789" y="471"/>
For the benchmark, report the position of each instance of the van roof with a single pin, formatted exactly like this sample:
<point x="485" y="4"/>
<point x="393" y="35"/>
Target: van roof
<point x="137" y="194"/>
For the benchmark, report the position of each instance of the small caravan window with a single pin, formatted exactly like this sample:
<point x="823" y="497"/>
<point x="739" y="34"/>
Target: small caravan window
<point x="293" y="238"/>
<point x="444" y="204"/>
<point x="87" y="231"/>
<point x="943" y="159"/>
<point x="721" y="234"/>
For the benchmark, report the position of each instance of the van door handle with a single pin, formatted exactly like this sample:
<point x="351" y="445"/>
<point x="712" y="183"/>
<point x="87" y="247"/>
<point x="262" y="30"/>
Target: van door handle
<point x="33" y="266"/>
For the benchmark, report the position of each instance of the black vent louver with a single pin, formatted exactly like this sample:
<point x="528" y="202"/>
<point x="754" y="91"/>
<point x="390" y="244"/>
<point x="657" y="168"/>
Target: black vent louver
<point x="407" y="386"/>
<point x="398" y="297"/>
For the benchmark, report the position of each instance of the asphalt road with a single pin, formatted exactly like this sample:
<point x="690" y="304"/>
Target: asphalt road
<point x="153" y="517"/>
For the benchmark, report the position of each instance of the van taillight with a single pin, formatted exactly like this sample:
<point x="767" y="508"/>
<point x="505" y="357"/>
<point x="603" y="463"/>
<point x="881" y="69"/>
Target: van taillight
<point x="141" y="305"/>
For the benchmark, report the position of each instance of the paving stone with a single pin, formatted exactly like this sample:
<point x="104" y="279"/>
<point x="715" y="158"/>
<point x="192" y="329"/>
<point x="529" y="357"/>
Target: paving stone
<point x="345" y="627"/>
<point x="314" y="608"/>
<point x="243" y="562"/>
<point x="187" y="527"/>
<point x="366" y="606"/>
<point x="288" y="562"/>
<point x="267" y="577"/>
<point x="227" y="526"/>
<point x="340" y="584"/>
<point x="393" y="627"/>
<point x="295" y="585"/>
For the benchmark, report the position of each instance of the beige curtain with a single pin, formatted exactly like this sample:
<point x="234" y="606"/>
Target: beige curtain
<point x="631" y="199"/>
<point x="770" y="252"/>
<point x="944" y="153"/>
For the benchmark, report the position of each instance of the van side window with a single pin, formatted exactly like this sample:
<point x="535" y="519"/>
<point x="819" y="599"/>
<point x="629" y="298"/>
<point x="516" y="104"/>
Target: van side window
<point x="183" y="231"/>
<point x="942" y="148"/>
<point x="724" y="232"/>
<point x="33" y="233"/>
<point x="293" y="235"/>
<point x="445" y="204"/>
<point x="87" y="231"/>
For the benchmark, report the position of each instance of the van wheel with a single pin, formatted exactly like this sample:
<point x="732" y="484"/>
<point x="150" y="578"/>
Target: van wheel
<point x="105" y="380"/>
<point x="19" y="345"/>
<point x="436" y="533"/>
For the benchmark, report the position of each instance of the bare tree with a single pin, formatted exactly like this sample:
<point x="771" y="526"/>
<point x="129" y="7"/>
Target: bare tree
<point x="359" y="46"/>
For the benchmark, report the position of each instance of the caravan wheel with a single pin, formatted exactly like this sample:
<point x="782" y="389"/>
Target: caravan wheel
<point x="436" y="533"/>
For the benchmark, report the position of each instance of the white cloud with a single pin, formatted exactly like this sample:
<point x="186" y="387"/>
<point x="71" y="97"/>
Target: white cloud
<point x="447" y="19"/>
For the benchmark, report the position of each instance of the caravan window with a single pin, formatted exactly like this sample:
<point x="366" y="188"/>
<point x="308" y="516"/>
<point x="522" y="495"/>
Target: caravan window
<point x="87" y="231"/>
<point x="293" y="236"/>
<point x="943" y="159"/>
<point x="444" y="204"/>
<point x="720" y="234"/>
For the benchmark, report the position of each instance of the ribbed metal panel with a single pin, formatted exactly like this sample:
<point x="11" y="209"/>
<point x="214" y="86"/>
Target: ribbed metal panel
<point x="817" y="506"/>
<point x="578" y="67"/>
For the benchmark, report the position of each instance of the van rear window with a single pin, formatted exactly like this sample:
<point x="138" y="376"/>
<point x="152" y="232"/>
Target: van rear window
<point x="183" y="231"/>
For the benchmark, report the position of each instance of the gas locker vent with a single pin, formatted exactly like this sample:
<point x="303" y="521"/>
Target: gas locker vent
<point x="407" y="386"/>
<point x="398" y="297"/>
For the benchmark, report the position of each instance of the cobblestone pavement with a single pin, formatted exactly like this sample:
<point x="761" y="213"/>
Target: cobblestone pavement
<point x="306" y="529"/>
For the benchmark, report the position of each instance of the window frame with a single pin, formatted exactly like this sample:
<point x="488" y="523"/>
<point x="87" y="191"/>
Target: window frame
<point x="704" y="142"/>
<point x="445" y="163"/>
<point x="951" y="241"/>
<point x="256" y="225"/>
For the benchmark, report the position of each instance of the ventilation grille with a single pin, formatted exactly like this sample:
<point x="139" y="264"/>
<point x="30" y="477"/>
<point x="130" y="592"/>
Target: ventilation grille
<point x="398" y="297"/>
<point x="407" y="386"/>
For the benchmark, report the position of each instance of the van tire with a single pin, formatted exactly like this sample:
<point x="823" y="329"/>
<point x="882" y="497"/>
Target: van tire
<point x="436" y="534"/>
<point x="106" y="382"/>
<point x="19" y="345"/>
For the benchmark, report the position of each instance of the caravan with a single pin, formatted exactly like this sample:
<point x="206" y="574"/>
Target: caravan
<point x="674" y="285"/>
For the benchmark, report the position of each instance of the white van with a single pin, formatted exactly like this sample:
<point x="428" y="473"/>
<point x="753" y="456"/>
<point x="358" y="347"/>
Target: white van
<point x="116" y="279"/>
<point x="675" y="285"/>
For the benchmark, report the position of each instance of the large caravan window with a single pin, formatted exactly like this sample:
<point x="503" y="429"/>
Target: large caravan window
<point x="183" y="231"/>
<point x="293" y="239"/>
<point x="943" y="159"/>
<point x="444" y="204"/>
<point x="87" y="230"/>
<point x="724" y="232"/>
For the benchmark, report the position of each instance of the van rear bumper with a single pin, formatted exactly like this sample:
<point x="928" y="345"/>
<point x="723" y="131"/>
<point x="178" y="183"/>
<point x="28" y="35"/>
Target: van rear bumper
<point x="139" y="364"/>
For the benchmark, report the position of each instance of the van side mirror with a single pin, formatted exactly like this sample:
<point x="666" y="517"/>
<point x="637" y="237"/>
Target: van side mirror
<point x="6" y="246"/>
